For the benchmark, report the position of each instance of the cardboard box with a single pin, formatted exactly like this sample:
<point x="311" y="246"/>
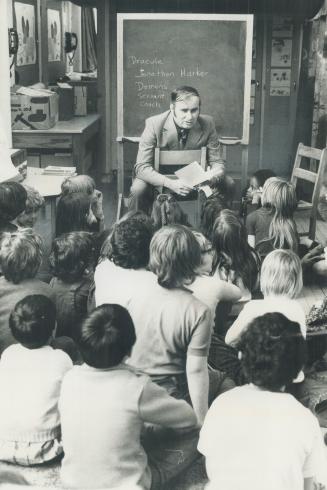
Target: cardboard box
<point x="34" y="109"/>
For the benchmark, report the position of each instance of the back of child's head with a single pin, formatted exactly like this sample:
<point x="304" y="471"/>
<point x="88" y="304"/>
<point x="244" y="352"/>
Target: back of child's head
<point x="72" y="255"/>
<point x="106" y="336"/>
<point x="281" y="274"/>
<point x="231" y="248"/>
<point x="20" y="255"/>
<point x="210" y="212"/>
<point x="139" y="216"/>
<point x="167" y="211"/>
<point x="73" y="211"/>
<point x="175" y="256"/>
<point x="262" y="175"/>
<point x="12" y="201"/>
<point x="128" y="245"/>
<point x="273" y="351"/>
<point x="280" y="196"/>
<point x="33" y="320"/>
<point x="78" y="183"/>
<point x="34" y="202"/>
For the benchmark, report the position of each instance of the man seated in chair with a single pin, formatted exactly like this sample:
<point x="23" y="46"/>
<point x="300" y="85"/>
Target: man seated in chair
<point x="182" y="127"/>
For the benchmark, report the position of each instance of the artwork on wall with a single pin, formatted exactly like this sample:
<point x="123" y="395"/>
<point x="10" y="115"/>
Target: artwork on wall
<point x="281" y="52"/>
<point x="282" y="26"/>
<point x="54" y="35"/>
<point x="25" y="25"/>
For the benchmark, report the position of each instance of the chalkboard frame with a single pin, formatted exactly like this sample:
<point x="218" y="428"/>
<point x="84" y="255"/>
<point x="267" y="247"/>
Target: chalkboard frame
<point x="247" y="19"/>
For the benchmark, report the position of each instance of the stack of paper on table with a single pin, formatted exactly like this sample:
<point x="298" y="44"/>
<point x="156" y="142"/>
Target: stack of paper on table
<point x="57" y="170"/>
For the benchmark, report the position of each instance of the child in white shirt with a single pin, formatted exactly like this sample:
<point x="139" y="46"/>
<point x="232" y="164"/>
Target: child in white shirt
<point x="257" y="436"/>
<point x="31" y="373"/>
<point x="104" y="405"/>
<point x="281" y="283"/>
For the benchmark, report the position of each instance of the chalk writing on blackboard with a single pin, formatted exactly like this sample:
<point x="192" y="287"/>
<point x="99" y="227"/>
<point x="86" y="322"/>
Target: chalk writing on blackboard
<point x="153" y="94"/>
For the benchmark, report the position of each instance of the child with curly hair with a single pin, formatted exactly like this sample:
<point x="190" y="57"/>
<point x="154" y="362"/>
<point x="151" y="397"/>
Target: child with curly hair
<point x="257" y="436"/>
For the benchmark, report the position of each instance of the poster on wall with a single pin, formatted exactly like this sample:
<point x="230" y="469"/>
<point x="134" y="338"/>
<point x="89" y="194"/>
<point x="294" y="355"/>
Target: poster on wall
<point x="281" y="52"/>
<point x="282" y="26"/>
<point x="25" y="25"/>
<point x="54" y="35"/>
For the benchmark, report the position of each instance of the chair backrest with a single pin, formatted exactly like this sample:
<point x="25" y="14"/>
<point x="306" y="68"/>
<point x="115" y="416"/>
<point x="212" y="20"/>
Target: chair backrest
<point x="315" y="178"/>
<point x="179" y="157"/>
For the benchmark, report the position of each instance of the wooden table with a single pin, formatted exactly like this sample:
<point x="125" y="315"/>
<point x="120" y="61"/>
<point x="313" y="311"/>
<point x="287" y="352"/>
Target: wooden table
<point x="49" y="186"/>
<point x="76" y="135"/>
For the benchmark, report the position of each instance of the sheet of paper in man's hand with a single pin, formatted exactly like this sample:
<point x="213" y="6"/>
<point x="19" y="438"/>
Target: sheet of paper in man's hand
<point x="194" y="175"/>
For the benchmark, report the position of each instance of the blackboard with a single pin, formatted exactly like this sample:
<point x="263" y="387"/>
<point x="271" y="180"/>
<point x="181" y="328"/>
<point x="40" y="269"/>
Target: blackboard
<point x="159" y="52"/>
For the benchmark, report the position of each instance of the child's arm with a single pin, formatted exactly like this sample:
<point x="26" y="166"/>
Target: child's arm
<point x="157" y="407"/>
<point x="227" y="291"/>
<point x="198" y="384"/>
<point x="251" y="240"/>
<point x="238" y="326"/>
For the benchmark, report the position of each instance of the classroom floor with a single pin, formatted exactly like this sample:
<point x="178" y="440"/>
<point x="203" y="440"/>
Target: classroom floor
<point x="195" y="478"/>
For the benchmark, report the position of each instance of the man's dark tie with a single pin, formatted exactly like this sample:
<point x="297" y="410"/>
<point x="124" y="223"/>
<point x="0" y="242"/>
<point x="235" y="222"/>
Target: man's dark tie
<point x="183" y="134"/>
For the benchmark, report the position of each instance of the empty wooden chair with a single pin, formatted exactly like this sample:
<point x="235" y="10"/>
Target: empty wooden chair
<point x="314" y="177"/>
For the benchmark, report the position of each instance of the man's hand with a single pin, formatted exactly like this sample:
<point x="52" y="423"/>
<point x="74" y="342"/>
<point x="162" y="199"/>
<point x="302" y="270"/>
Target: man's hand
<point x="178" y="186"/>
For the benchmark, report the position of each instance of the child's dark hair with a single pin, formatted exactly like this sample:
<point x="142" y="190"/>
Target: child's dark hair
<point x="167" y="211"/>
<point x="72" y="212"/>
<point x="106" y="336"/>
<point x="12" y="200"/>
<point x="262" y="175"/>
<point x="129" y="244"/>
<point x="210" y="212"/>
<point x="72" y="253"/>
<point x="139" y="216"/>
<point x="33" y="320"/>
<point x="231" y="249"/>
<point x="273" y="351"/>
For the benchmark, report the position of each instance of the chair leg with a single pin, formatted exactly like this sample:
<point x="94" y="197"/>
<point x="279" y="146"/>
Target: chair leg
<point x="312" y="227"/>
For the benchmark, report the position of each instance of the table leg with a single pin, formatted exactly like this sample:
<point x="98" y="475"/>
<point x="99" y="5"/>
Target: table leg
<point x="53" y="200"/>
<point x="79" y="153"/>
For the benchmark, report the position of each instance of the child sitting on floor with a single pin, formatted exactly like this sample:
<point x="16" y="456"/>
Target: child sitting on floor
<point x="273" y="222"/>
<point x="73" y="265"/>
<point x="281" y="283"/>
<point x="234" y="260"/>
<point x="74" y="213"/>
<point x="104" y="405"/>
<point x="251" y="196"/>
<point x="20" y="259"/>
<point x="85" y="184"/>
<point x="167" y="211"/>
<point x="257" y="436"/>
<point x="12" y="203"/>
<point x="34" y="202"/>
<point x="210" y="289"/>
<point x="31" y="373"/>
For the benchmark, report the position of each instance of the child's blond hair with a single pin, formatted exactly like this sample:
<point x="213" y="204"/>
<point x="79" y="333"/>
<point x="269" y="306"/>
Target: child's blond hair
<point x="280" y="196"/>
<point x="281" y="274"/>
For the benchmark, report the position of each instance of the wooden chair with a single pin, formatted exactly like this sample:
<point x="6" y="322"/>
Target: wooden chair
<point x="173" y="159"/>
<point x="319" y="157"/>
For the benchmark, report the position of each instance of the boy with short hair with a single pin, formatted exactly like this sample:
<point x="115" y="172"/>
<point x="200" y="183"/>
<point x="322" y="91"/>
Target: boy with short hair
<point x="31" y="373"/>
<point x="104" y="405"/>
